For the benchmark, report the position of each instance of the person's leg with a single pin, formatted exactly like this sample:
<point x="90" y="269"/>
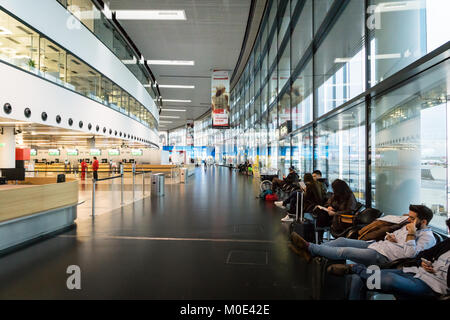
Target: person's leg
<point x="345" y="242"/>
<point x="357" y="287"/>
<point x="292" y="197"/>
<point x="359" y="255"/>
<point x="397" y="282"/>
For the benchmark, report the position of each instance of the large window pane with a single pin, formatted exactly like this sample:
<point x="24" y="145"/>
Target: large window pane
<point x="302" y="34"/>
<point x="284" y="156"/>
<point x="273" y="86"/>
<point x="284" y="68"/>
<point x="404" y="32"/>
<point x="339" y="62"/>
<point x="301" y="95"/>
<point x="321" y="8"/>
<point x="284" y="19"/>
<point x="409" y="146"/>
<point x="302" y="150"/>
<point x="340" y="147"/>
<point x="284" y="108"/>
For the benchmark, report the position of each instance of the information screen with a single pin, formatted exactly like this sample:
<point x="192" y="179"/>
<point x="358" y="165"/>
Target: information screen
<point x="95" y="152"/>
<point x="54" y="152"/>
<point x="114" y="152"/>
<point x="137" y="152"/>
<point x="72" y="152"/>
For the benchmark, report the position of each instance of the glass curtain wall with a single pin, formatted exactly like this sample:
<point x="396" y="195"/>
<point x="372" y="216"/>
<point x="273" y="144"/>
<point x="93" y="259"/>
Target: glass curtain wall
<point x="315" y="63"/>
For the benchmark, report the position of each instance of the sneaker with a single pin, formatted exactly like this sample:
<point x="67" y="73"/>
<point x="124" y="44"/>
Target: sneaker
<point x="279" y="204"/>
<point x="287" y="218"/>
<point x="339" y="269"/>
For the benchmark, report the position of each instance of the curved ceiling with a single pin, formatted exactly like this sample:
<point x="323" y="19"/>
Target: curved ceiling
<point x="212" y="36"/>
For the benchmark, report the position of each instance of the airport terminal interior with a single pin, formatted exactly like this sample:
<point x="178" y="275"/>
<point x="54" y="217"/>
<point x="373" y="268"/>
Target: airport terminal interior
<point x="222" y="150"/>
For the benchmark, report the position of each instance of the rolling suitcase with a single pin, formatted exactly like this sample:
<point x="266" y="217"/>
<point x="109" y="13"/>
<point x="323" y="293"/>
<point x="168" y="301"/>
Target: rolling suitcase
<point x="301" y="226"/>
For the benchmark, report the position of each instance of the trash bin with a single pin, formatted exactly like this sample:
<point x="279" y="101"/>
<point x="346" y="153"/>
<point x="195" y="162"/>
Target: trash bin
<point x="183" y="175"/>
<point x="157" y="184"/>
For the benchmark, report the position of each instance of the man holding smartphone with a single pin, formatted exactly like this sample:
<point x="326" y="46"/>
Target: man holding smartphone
<point x="427" y="276"/>
<point x="406" y="242"/>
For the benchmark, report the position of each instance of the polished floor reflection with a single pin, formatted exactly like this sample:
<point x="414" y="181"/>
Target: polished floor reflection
<point x="207" y="239"/>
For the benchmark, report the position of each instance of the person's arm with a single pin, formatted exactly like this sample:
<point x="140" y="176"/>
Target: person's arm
<point x="415" y="244"/>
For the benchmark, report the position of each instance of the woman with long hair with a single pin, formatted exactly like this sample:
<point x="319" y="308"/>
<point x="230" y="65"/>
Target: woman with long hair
<point x="342" y="201"/>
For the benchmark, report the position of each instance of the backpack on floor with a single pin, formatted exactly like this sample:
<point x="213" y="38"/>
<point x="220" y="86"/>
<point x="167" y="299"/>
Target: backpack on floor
<point x="271" y="197"/>
<point x="264" y="193"/>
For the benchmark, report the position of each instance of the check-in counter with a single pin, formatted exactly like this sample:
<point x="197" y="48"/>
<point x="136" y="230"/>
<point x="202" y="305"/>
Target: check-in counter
<point x="34" y="208"/>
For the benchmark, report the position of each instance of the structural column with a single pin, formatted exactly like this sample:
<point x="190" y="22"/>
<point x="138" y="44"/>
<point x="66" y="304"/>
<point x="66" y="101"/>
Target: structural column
<point x="7" y="148"/>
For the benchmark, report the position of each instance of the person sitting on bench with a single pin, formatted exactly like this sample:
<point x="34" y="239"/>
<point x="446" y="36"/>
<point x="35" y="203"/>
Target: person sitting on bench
<point x="290" y="179"/>
<point x="311" y="199"/>
<point x="342" y="201"/>
<point x="406" y="242"/>
<point x="317" y="175"/>
<point x="427" y="278"/>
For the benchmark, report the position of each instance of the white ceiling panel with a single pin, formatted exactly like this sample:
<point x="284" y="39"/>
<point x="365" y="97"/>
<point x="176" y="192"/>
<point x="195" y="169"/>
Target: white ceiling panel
<point x="212" y="36"/>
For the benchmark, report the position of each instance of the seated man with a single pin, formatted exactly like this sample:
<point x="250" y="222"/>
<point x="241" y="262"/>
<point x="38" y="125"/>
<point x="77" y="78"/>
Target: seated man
<point x="290" y="179"/>
<point x="317" y="175"/>
<point x="406" y="242"/>
<point x="425" y="278"/>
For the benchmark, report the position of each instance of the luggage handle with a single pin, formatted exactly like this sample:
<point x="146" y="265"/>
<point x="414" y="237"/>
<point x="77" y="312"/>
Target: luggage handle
<point x="301" y="210"/>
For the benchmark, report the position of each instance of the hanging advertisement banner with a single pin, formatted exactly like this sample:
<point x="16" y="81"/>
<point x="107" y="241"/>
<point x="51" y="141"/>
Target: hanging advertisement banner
<point x="190" y="133"/>
<point x="220" y="102"/>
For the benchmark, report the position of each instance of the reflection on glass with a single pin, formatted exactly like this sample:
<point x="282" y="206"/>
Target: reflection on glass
<point x="321" y="8"/>
<point x="404" y="32"/>
<point x="302" y="35"/>
<point x="284" y="108"/>
<point x="340" y="61"/>
<point x="284" y="156"/>
<point x="340" y="146"/>
<point x="302" y="152"/>
<point x="301" y="95"/>
<point x="409" y="146"/>
<point x="284" y="68"/>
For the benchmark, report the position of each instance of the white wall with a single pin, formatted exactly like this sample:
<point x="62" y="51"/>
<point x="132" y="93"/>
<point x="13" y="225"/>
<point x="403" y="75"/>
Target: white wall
<point x="23" y="90"/>
<point x="51" y="19"/>
<point x="164" y="157"/>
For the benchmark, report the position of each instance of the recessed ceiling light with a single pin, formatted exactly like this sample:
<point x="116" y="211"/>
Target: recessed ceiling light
<point x="171" y="62"/>
<point x="175" y="100"/>
<point x="172" y="86"/>
<point x="174" y="110"/>
<point x="4" y="31"/>
<point x="170" y="117"/>
<point x="150" y="15"/>
<point x="165" y="121"/>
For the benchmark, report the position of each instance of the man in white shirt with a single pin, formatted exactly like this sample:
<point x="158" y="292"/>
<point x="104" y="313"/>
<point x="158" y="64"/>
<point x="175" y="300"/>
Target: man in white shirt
<point x="406" y="242"/>
<point x="427" y="276"/>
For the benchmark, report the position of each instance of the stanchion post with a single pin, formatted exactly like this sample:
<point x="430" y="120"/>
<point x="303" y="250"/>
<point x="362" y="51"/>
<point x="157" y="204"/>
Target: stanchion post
<point x="93" y="197"/>
<point x="134" y="175"/>
<point x="143" y="184"/>
<point x="121" y="184"/>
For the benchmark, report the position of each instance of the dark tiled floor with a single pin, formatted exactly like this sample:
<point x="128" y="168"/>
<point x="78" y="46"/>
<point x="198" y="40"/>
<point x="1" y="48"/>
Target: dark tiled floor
<point x="208" y="239"/>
